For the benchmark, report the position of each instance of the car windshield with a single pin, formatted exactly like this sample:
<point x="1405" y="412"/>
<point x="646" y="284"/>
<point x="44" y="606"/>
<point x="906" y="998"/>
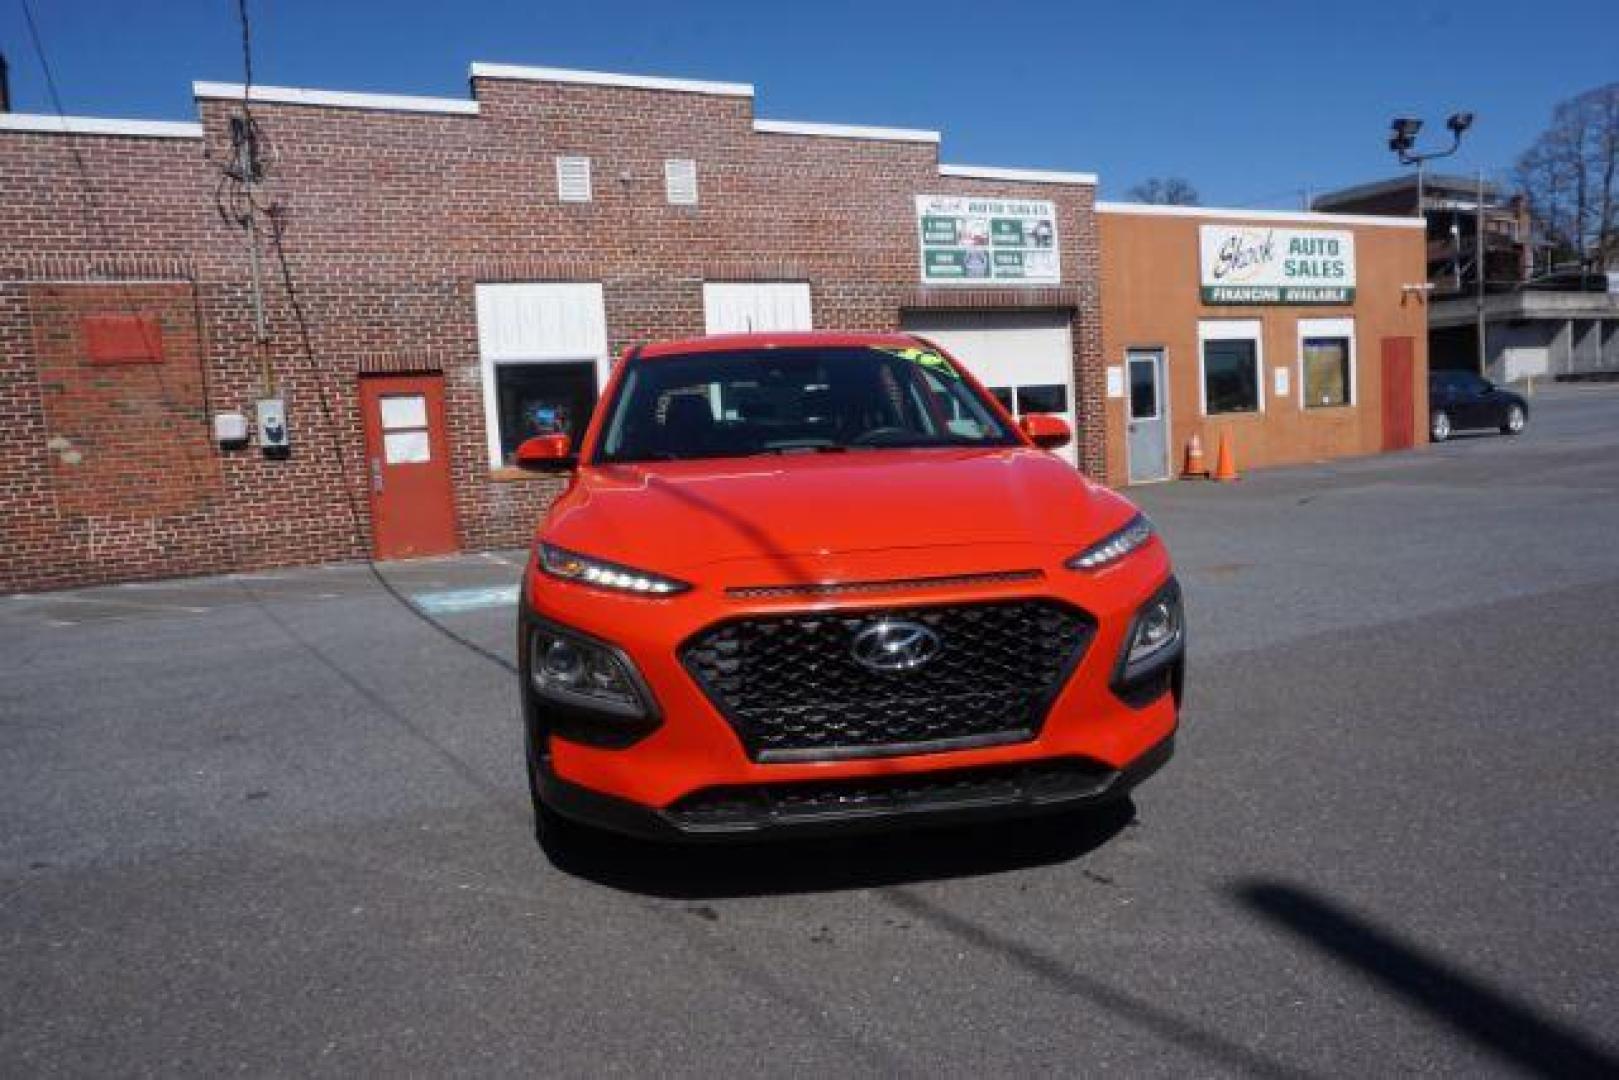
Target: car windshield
<point x="1458" y="381"/>
<point x="795" y="400"/>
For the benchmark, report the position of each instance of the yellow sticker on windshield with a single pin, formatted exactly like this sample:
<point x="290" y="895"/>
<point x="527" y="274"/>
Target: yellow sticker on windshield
<point x="926" y="358"/>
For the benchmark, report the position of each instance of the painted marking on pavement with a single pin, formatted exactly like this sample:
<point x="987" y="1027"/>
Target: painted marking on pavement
<point x="114" y="602"/>
<point x="454" y="601"/>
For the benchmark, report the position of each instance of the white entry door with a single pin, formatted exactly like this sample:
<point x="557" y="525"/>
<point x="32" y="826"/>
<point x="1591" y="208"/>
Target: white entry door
<point x="1024" y="358"/>
<point x="1147" y="438"/>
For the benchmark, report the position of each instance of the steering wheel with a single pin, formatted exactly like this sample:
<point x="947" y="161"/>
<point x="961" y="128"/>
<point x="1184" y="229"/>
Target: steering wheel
<point x="877" y="434"/>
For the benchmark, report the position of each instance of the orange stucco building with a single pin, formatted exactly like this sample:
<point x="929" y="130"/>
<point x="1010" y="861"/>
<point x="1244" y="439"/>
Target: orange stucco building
<point x="1298" y="336"/>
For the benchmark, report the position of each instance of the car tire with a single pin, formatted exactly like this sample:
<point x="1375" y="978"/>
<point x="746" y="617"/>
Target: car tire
<point x="1515" y="420"/>
<point x="1439" y="428"/>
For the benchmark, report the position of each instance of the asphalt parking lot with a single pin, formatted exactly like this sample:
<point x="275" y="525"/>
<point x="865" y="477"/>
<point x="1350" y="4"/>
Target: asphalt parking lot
<point x="277" y="823"/>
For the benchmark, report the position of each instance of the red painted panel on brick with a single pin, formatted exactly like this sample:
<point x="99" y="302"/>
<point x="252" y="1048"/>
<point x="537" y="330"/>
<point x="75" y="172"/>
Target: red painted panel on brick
<point x="123" y="339"/>
<point x="129" y="451"/>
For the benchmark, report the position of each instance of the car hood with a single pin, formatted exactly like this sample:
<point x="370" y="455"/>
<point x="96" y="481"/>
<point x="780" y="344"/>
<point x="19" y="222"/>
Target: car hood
<point x="669" y="516"/>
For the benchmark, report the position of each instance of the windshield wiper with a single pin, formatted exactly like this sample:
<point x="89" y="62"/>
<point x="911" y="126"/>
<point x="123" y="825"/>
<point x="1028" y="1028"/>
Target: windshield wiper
<point x="830" y="448"/>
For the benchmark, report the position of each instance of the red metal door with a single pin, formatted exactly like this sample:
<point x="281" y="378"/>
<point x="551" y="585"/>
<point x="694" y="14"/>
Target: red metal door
<point x="1399" y="415"/>
<point x="407" y="464"/>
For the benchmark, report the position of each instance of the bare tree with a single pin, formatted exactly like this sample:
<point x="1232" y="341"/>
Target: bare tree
<point x="1571" y="177"/>
<point x="1167" y="190"/>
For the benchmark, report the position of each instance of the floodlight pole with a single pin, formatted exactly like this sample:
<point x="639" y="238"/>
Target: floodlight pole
<point x="1478" y="270"/>
<point x="1405" y="135"/>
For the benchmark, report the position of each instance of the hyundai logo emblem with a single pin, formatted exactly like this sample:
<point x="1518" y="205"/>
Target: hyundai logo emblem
<point x="894" y="645"/>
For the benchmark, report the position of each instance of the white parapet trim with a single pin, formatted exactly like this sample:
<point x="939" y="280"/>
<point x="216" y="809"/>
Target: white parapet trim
<point x="51" y="124"/>
<point x="523" y="73"/>
<point x="1028" y="176"/>
<point x="336" y="99"/>
<point x="1227" y="213"/>
<point x="845" y="131"/>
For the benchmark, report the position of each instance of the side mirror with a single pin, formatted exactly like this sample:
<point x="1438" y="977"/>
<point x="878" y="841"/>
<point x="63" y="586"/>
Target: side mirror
<point x="1045" y="431"/>
<point x="545" y="453"/>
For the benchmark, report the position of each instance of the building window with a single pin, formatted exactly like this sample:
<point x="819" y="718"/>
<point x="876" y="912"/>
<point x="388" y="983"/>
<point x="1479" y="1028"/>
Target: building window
<point x="573" y="179"/>
<point x="1052" y="398"/>
<point x="406" y="438"/>
<point x="1232" y="366"/>
<point x="1231" y="376"/>
<point x="543" y="398"/>
<point x="1326" y="363"/>
<point x="543" y="357"/>
<point x="680" y="181"/>
<point x="1326" y="372"/>
<point x="1143" y="386"/>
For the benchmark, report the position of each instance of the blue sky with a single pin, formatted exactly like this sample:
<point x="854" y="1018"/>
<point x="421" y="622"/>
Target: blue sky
<point x="1253" y="102"/>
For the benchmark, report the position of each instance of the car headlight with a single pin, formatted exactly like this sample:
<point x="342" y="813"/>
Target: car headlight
<point x="571" y="566"/>
<point x="1149" y="661"/>
<point x="572" y="670"/>
<point x="1158" y="627"/>
<point x="1115" y="546"/>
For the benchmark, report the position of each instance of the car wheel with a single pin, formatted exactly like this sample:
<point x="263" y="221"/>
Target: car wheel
<point x="1514" y="421"/>
<point x="1439" y="426"/>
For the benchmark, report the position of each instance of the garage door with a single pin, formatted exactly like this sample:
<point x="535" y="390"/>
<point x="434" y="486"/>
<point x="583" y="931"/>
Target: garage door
<point x="749" y="307"/>
<point x="1025" y="358"/>
<point x="1527" y="362"/>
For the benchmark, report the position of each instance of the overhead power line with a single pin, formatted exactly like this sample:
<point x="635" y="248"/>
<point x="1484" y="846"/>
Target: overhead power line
<point x="244" y="174"/>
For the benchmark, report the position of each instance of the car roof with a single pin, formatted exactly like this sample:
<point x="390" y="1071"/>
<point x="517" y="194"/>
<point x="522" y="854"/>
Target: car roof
<point x="775" y="339"/>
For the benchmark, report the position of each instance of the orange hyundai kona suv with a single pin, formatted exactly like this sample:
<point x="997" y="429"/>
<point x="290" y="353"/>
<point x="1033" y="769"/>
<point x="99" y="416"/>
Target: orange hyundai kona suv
<point x="810" y="582"/>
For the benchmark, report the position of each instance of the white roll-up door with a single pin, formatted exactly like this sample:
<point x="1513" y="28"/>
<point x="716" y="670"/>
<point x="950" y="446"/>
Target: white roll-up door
<point x="740" y="307"/>
<point x="1025" y="358"/>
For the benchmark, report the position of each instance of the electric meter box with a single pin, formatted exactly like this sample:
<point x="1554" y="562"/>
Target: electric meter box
<point x="274" y="439"/>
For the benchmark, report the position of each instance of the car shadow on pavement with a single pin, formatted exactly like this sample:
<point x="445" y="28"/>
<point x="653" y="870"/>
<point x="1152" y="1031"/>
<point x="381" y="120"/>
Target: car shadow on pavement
<point x="1511" y="1030"/>
<point x="780" y="867"/>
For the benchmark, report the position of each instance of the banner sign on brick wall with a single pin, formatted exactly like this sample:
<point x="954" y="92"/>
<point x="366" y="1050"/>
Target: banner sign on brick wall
<point x="971" y="240"/>
<point x="1248" y="264"/>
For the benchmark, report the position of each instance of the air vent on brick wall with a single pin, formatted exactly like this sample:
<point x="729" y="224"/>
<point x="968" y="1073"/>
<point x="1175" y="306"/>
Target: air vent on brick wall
<point x="573" y="179"/>
<point x="680" y="181"/>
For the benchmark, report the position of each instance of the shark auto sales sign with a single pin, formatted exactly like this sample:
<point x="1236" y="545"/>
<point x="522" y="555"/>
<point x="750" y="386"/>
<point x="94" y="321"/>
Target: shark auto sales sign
<point x="1250" y="264"/>
<point x="987" y="241"/>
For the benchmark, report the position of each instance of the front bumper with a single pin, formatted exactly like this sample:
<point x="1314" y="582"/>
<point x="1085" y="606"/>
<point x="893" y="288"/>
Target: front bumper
<point x="690" y="774"/>
<point x="857" y="804"/>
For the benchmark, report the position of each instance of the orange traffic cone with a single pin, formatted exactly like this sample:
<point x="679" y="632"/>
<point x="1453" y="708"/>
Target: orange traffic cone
<point x="1195" y="468"/>
<point x="1225" y="463"/>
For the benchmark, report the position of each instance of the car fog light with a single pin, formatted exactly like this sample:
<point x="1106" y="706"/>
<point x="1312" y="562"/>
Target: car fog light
<point x="573" y="671"/>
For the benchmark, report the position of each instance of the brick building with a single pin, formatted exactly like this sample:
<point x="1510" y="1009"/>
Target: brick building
<point x="1538" y="320"/>
<point x="1294" y="336"/>
<point x="449" y="273"/>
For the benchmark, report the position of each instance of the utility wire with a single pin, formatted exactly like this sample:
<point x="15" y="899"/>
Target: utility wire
<point x="92" y="205"/>
<point x="277" y="234"/>
<point x="247" y="52"/>
<point x="96" y="218"/>
<point x="345" y="476"/>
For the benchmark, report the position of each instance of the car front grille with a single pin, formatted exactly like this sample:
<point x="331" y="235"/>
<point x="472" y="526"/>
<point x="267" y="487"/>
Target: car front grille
<point x="791" y="688"/>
